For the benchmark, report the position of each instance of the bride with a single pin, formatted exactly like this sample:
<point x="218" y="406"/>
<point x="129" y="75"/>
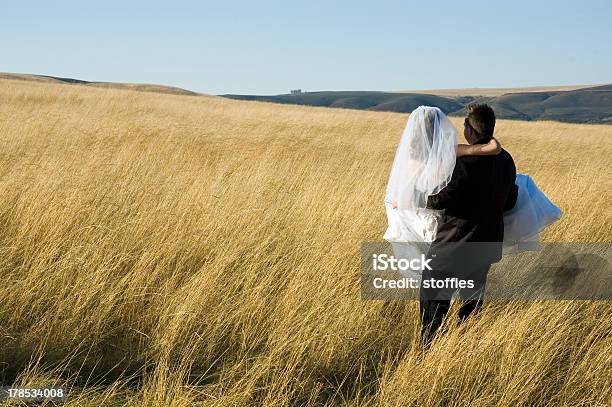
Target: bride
<point x="423" y="166"/>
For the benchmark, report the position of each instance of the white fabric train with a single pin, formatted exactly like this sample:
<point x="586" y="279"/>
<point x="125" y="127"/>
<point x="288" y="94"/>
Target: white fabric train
<point x="522" y="225"/>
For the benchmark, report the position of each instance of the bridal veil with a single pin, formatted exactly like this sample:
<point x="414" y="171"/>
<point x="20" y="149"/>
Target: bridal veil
<point x="424" y="160"/>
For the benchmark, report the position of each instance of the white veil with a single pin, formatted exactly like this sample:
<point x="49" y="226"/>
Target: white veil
<point x="424" y="161"/>
<point x="423" y="166"/>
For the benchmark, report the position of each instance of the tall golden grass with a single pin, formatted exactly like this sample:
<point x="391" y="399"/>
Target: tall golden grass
<point x="174" y="250"/>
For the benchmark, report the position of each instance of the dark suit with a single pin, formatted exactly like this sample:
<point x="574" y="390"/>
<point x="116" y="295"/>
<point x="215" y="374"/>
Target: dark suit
<point x="470" y="232"/>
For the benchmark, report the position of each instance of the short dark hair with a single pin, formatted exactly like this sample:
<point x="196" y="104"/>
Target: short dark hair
<point x="481" y="118"/>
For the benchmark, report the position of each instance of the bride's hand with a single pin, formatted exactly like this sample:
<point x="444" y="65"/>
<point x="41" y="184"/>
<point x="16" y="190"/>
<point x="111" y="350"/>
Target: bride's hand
<point x="493" y="147"/>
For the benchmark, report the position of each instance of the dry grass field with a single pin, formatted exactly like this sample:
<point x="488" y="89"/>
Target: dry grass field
<point x="169" y="250"/>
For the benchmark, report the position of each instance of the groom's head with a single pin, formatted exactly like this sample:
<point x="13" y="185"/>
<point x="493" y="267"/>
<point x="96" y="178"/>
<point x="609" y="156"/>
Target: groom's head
<point x="479" y="124"/>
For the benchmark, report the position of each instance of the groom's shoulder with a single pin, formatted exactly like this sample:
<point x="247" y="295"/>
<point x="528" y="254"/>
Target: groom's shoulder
<point x="467" y="160"/>
<point x="462" y="166"/>
<point x="504" y="155"/>
<point x="469" y="163"/>
<point x="476" y="159"/>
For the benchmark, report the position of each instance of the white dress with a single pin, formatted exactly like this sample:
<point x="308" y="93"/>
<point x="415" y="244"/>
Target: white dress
<point x="532" y="213"/>
<point x="522" y="225"/>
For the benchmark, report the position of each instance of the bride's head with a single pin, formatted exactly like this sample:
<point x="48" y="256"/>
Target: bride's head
<point x="424" y="160"/>
<point x="428" y="128"/>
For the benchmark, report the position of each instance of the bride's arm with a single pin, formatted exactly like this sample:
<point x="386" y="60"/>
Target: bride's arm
<point x="493" y="147"/>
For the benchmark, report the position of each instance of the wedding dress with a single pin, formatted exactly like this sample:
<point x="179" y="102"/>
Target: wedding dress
<point x="532" y="213"/>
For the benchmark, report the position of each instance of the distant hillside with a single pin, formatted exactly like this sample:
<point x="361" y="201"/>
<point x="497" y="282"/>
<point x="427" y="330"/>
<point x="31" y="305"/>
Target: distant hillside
<point x="588" y="105"/>
<point x="583" y="105"/>
<point x="574" y="104"/>
<point x="495" y="91"/>
<point x="115" y="85"/>
<point x="391" y="102"/>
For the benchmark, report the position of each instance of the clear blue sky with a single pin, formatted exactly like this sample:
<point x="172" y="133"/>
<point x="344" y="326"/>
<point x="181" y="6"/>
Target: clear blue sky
<point x="269" y="47"/>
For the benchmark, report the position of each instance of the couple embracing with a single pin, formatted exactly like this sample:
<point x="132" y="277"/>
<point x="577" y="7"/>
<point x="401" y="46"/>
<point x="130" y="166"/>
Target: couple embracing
<point x="463" y="205"/>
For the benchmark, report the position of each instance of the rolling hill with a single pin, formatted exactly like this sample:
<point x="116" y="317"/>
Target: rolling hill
<point x="583" y="105"/>
<point x="572" y="104"/>
<point x="382" y="101"/>
<point x="496" y="91"/>
<point x="143" y="87"/>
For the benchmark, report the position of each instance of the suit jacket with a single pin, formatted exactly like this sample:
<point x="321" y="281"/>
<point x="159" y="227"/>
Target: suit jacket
<point x="480" y="190"/>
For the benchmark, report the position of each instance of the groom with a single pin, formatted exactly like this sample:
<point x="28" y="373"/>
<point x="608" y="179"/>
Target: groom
<point x="471" y="228"/>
